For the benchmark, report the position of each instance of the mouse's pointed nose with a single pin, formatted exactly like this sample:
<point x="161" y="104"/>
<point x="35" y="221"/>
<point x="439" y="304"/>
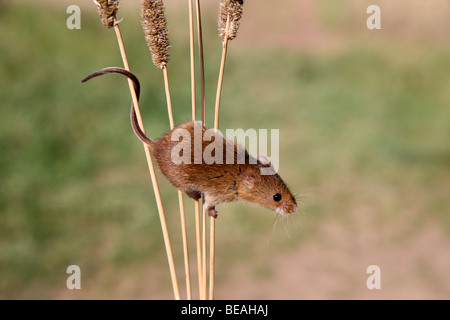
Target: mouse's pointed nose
<point x="293" y="208"/>
<point x="288" y="207"/>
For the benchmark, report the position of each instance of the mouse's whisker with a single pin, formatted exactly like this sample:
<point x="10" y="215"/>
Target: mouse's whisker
<point x="285" y="224"/>
<point x="306" y="213"/>
<point x="275" y="222"/>
<point x="296" y="222"/>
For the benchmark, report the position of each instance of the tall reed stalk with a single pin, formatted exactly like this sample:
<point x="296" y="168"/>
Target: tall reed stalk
<point x="201" y="60"/>
<point x="230" y="14"/>
<point x="108" y="11"/>
<point x="194" y="117"/>
<point x="156" y="34"/>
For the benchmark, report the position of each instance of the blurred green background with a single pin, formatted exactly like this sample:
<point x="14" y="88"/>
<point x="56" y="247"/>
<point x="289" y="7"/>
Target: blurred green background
<point x="364" y="123"/>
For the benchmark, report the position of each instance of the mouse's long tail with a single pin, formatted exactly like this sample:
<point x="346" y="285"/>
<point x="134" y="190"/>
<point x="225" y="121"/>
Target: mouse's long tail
<point x="137" y="89"/>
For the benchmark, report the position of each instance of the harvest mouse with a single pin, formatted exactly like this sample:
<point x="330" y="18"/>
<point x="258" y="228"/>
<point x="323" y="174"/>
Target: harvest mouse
<point x="220" y="181"/>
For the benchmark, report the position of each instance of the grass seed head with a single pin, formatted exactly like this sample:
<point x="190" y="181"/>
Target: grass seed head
<point x="154" y="24"/>
<point x="232" y="10"/>
<point x="108" y="10"/>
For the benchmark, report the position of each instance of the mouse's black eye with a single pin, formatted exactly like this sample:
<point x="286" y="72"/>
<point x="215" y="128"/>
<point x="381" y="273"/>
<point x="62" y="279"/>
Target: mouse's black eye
<point x="277" y="197"/>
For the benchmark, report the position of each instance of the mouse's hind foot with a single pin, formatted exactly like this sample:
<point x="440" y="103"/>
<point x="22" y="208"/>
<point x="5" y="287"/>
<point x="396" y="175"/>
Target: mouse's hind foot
<point x="211" y="210"/>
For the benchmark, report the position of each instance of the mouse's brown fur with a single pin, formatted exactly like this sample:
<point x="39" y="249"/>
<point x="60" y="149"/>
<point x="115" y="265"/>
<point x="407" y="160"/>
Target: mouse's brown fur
<point x="217" y="182"/>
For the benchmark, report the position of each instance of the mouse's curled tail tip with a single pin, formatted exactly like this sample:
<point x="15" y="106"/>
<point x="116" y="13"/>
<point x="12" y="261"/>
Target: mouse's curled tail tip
<point x="129" y="74"/>
<point x="137" y="88"/>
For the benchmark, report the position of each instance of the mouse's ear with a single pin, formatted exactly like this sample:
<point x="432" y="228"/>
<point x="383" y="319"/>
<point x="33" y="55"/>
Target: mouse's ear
<point x="249" y="179"/>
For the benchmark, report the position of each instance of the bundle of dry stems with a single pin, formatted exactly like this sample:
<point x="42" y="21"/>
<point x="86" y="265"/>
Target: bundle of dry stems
<point x="156" y="34"/>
